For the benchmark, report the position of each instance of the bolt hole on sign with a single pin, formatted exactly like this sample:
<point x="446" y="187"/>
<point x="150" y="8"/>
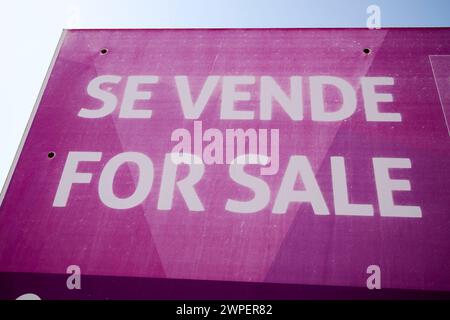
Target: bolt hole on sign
<point x="279" y="156"/>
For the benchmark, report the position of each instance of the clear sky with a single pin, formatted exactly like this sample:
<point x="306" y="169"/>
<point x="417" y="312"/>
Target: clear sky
<point x="30" y="30"/>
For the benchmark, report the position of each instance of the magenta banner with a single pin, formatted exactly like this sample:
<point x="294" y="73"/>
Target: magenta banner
<point x="282" y="156"/>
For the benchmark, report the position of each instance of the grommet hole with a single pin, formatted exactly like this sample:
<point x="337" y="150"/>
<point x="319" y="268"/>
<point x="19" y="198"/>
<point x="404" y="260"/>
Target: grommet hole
<point x="367" y="51"/>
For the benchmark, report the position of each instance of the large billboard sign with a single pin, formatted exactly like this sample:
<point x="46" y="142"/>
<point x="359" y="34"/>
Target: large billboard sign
<point x="296" y="157"/>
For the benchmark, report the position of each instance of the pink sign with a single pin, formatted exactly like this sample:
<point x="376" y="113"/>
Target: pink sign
<point x="288" y="156"/>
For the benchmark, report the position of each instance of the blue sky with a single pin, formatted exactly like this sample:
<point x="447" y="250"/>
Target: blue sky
<point x="30" y="31"/>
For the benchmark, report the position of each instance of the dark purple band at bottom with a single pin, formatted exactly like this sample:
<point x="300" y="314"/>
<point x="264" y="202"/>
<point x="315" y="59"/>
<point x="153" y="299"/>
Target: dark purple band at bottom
<point x="53" y="287"/>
